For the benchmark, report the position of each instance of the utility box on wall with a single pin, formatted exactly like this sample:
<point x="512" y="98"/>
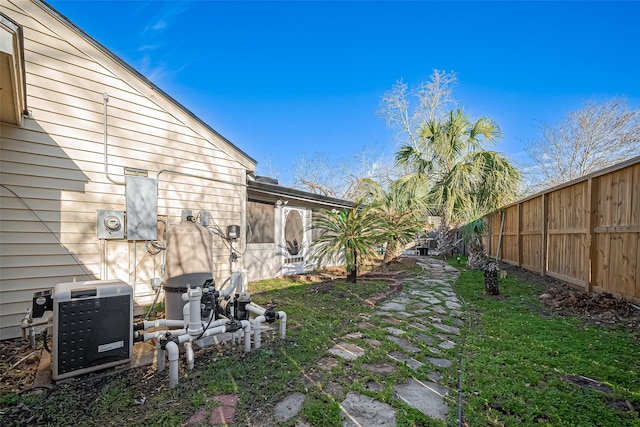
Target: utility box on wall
<point x="142" y="208"/>
<point x="110" y="224"/>
<point x="93" y="326"/>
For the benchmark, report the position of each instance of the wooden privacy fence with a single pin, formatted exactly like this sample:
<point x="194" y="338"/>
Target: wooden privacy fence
<point x="586" y="232"/>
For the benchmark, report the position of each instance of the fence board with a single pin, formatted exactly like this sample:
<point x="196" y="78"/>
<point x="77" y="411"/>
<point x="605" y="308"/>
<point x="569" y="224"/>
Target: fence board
<point x="586" y="232"/>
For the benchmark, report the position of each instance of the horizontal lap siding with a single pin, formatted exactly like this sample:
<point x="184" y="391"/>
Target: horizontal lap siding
<point x="55" y="164"/>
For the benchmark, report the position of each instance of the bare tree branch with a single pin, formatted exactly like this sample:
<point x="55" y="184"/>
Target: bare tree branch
<point x="586" y="140"/>
<point x="405" y="110"/>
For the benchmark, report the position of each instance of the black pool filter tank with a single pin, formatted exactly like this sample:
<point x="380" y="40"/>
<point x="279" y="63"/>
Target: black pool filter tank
<point x="93" y="326"/>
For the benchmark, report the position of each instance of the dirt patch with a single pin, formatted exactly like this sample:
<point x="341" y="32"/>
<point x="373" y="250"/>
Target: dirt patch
<point x="601" y="309"/>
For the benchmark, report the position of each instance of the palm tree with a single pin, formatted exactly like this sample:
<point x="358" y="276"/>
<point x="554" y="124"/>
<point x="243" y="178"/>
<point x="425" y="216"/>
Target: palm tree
<point x="463" y="178"/>
<point x="351" y="234"/>
<point x="403" y="210"/>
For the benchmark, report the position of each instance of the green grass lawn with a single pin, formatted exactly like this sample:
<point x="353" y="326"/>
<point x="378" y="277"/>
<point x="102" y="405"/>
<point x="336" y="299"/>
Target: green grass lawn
<point x="515" y="358"/>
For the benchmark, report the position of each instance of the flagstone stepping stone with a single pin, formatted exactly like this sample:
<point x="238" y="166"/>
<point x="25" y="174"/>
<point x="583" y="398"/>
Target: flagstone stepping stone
<point x="327" y="363"/>
<point x="379" y="368"/>
<point x="365" y="325"/>
<point x="456" y="313"/>
<point x="395" y="331"/>
<point x="435" y="319"/>
<point x="404" y="314"/>
<point x="452" y="305"/>
<point x="447" y="328"/>
<point x="447" y="345"/>
<point x="334" y="389"/>
<point x="439" y="309"/>
<point x="418" y="326"/>
<point x="352" y="336"/>
<point x="434" y="376"/>
<point x="406" y="345"/>
<point x="289" y="407"/>
<point x="346" y="351"/>
<point x="435" y="350"/>
<point x="358" y="410"/>
<point x="393" y="306"/>
<point x="458" y="322"/>
<point x="391" y="320"/>
<point x="427" y="339"/>
<point x="373" y="386"/>
<point x="402" y="358"/>
<point x="373" y="342"/>
<point x="440" y="363"/>
<point x="433" y="301"/>
<point x="425" y="396"/>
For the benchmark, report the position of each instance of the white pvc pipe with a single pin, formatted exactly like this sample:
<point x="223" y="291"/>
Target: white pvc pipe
<point x="174" y="353"/>
<point x="189" y="355"/>
<point x="256" y="331"/>
<point x="156" y="334"/>
<point x="163" y="323"/>
<point x="246" y="327"/>
<point x="283" y="324"/>
<point x="233" y="284"/>
<point x="245" y="282"/>
<point x="195" y="321"/>
<point x="255" y="309"/>
<point x="160" y="361"/>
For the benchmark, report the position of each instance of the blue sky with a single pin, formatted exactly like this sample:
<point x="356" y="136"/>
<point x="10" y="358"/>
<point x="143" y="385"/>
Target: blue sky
<point x="285" y="79"/>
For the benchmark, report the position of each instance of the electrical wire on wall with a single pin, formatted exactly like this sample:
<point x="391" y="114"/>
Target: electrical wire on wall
<point x="77" y="261"/>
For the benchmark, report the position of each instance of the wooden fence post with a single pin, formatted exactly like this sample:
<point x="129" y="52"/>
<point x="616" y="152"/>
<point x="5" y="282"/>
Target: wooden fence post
<point x="544" y="199"/>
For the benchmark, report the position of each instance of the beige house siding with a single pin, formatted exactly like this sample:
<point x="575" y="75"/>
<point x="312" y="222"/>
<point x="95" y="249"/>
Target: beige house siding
<point x="52" y="168"/>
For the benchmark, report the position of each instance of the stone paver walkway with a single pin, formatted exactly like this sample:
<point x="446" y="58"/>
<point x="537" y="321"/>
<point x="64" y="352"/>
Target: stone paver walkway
<point x="423" y="324"/>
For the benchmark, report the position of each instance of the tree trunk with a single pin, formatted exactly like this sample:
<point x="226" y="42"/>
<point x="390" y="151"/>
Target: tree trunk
<point x="352" y="274"/>
<point x="477" y="255"/>
<point x="445" y="240"/>
<point x="392" y="252"/>
<point x="491" y="278"/>
<point x="352" y="270"/>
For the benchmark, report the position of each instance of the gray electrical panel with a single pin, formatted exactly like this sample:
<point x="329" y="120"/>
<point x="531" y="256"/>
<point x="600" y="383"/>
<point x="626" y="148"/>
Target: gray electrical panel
<point x="142" y="208"/>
